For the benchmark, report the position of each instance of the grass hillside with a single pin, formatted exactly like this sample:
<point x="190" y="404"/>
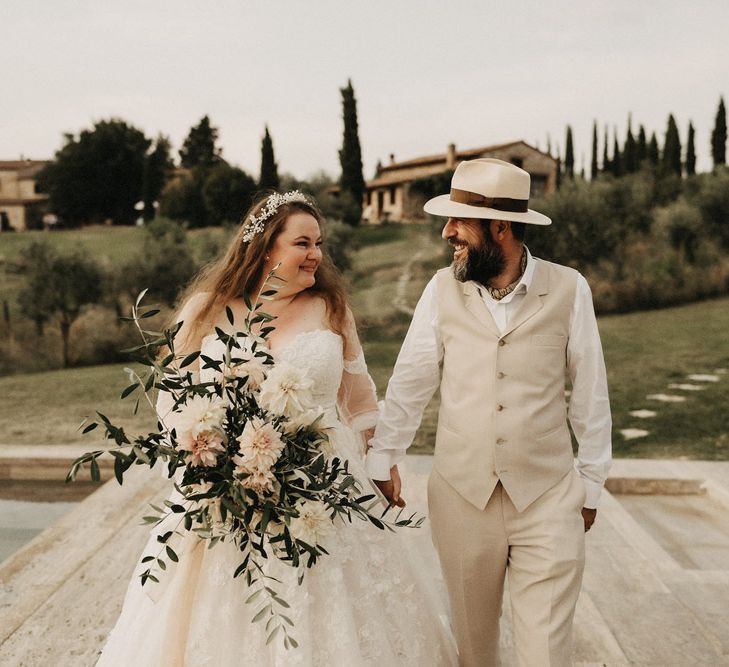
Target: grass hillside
<point x="645" y="353"/>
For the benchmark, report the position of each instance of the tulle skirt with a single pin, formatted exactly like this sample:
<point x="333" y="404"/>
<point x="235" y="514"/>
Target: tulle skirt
<point x="374" y="600"/>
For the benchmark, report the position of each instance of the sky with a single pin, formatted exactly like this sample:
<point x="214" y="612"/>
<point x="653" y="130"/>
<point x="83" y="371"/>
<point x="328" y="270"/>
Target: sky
<point x="426" y="73"/>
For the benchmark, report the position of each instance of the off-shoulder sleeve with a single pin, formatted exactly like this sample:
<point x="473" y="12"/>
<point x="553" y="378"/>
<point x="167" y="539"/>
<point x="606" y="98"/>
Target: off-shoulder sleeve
<point x="357" y="397"/>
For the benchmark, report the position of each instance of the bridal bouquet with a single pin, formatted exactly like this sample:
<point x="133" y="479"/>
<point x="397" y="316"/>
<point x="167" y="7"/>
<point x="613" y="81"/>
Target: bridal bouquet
<point x="250" y="455"/>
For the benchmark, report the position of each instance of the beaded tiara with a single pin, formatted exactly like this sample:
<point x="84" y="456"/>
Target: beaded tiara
<point x="254" y="223"/>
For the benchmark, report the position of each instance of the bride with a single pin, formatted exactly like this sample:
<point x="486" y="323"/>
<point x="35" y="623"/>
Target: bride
<point x="371" y="601"/>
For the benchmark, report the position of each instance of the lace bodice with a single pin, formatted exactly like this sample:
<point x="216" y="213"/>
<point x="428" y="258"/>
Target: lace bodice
<point x="339" y="385"/>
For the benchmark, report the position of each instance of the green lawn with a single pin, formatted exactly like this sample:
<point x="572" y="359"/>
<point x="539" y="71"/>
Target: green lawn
<point x="644" y="352"/>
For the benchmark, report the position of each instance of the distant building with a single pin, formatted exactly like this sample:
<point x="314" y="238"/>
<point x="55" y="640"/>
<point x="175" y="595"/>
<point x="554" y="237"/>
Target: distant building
<point x="388" y="196"/>
<point x="21" y="205"/>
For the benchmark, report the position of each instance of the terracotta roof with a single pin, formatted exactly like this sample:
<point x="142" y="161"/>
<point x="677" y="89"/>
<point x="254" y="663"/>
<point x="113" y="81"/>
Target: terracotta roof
<point x="22" y="201"/>
<point x="460" y="155"/>
<point x="19" y="165"/>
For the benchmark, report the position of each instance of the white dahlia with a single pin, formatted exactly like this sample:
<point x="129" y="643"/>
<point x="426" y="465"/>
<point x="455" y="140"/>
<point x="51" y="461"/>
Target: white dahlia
<point x="286" y="391"/>
<point x="260" y="446"/>
<point x="312" y="525"/>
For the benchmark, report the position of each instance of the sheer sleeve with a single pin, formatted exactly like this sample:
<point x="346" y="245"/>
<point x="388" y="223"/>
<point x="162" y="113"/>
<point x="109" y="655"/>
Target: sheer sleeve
<point x="357" y="397"/>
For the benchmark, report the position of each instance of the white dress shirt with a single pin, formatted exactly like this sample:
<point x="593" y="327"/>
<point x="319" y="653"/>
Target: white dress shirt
<point x="416" y="376"/>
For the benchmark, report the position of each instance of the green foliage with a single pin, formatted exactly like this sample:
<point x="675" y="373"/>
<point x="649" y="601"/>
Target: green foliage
<point x="350" y="157"/>
<point x="718" y="136"/>
<point x="569" y="155"/>
<point x="227" y="193"/>
<point x="269" y="179"/>
<point x="209" y="196"/>
<point x="431" y="186"/>
<point x="616" y="164"/>
<point x="184" y="200"/>
<point x="164" y="265"/>
<point x="671" y="158"/>
<point x="641" y="150"/>
<point x="593" y="161"/>
<point x="200" y="147"/>
<point x="157" y="166"/>
<point x="98" y="175"/>
<point x="605" y="157"/>
<point x="338" y="243"/>
<point x="34" y="299"/>
<point x="690" y="152"/>
<point x="60" y="285"/>
<point x="710" y="194"/>
<point x="653" y="155"/>
<point x="630" y="151"/>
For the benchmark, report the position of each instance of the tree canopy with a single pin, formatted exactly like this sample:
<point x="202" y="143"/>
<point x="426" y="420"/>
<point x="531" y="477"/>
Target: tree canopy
<point x="100" y="174"/>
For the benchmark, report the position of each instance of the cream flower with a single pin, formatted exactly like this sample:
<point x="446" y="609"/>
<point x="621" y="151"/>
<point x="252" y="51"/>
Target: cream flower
<point x="306" y="419"/>
<point x="260" y="481"/>
<point x="286" y="391"/>
<point x="246" y="364"/>
<point x="260" y="446"/>
<point x="219" y="527"/>
<point x="313" y="524"/>
<point x="203" y="446"/>
<point x="200" y="413"/>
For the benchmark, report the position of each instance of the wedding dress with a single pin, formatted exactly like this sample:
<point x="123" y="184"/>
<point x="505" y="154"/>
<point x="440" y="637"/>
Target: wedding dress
<point x="372" y="601"/>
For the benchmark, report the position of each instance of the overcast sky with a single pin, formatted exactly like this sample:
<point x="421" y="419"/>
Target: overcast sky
<point x="425" y="72"/>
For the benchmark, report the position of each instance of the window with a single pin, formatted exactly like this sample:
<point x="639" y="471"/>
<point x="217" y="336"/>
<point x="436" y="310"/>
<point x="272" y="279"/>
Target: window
<point x="539" y="184"/>
<point x="393" y="192"/>
<point x="380" y="200"/>
<point x="517" y="162"/>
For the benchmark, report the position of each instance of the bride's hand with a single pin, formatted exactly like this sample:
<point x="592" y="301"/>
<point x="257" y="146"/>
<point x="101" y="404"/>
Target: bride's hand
<point x="391" y="488"/>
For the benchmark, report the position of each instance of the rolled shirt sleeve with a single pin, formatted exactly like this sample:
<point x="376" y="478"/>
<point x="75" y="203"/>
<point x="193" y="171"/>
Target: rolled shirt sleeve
<point x="589" y="407"/>
<point x="414" y="380"/>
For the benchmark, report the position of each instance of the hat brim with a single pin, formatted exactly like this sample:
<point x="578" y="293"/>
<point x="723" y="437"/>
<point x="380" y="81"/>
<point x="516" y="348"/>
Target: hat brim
<point x="444" y="206"/>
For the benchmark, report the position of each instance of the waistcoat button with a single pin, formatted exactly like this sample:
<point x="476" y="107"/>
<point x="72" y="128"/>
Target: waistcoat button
<point x="500" y="441"/>
<point x="502" y="342"/>
<point x="499" y="407"/>
<point x="500" y="375"/>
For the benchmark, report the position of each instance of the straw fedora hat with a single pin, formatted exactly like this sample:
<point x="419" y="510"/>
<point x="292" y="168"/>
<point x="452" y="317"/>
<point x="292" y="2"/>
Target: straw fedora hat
<point x="488" y="188"/>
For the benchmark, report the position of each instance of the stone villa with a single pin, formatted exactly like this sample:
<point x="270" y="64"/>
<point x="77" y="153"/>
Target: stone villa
<point x="388" y="196"/>
<point x="21" y="206"/>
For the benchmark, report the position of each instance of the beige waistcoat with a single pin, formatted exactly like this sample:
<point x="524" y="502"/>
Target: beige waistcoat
<point x="503" y="415"/>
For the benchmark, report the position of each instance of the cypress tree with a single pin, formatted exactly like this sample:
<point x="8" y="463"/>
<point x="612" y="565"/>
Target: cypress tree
<point x="269" y="169"/>
<point x="199" y="148"/>
<point x="652" y="151"/>
<point x="718" y="135"/>
<point x="617" y="162"/>
<point x="549" y="145"/>
<point x="350" y="156"/>
<point x="569" y="155"/>
<point x="690" y="152"/>
<point x="605" y="159"/>
<point x="672" y="148"/>
<point x="593" y="165"/>
<point x="630" y="150"/>
<point x="641" y="150"/>
<point x="559" y="171"/>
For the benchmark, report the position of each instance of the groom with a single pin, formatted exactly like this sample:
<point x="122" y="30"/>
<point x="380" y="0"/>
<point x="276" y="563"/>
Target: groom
<point x="498" y="332"/>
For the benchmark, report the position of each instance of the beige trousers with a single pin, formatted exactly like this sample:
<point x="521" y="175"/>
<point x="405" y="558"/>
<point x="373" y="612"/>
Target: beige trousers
<point x="541" y="550"/>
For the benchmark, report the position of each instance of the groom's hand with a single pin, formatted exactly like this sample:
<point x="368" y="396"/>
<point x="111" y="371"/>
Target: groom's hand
<point x="588" y="516"/>
<point x="391" y="488"/>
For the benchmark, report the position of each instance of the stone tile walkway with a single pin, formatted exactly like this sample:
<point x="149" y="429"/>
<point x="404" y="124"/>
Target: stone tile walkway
<point x="643" y="601"/>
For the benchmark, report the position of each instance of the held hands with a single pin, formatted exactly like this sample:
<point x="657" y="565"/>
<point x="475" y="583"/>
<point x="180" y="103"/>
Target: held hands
<point x="588" y="516"/>
<point x="391" y="488"/>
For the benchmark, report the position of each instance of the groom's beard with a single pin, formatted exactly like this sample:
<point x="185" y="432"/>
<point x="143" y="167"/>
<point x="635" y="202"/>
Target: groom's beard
<point x="482" y="263"/>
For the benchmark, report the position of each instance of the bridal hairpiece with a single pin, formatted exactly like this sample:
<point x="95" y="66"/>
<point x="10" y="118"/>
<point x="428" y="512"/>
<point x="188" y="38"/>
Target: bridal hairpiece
<point x="254" y="223"/>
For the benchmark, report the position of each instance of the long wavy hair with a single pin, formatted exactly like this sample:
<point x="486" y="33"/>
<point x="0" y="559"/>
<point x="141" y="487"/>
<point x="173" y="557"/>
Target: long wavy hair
<point x="241" y="269"/>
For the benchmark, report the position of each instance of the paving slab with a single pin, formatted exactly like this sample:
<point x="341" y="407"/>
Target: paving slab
<point x="641" y="605"/>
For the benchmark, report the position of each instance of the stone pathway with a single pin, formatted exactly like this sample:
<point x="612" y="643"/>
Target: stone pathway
<point x="690" y="387"/>
<point x="400" y="300"/>
<point x="655" y="592"/>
